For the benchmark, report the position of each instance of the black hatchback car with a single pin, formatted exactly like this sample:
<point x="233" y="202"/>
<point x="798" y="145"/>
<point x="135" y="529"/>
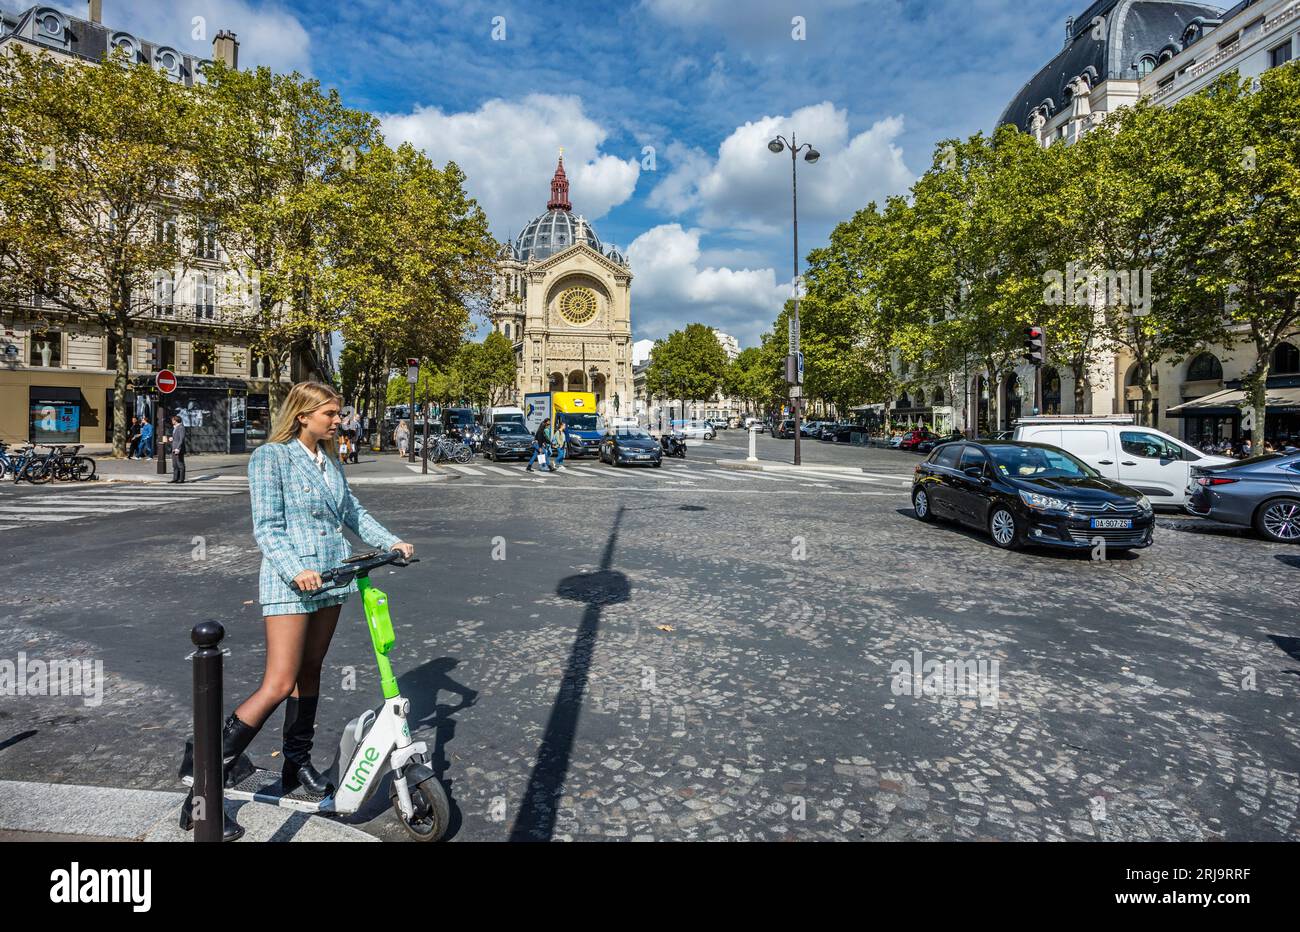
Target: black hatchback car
<point x="1029" y="493"/>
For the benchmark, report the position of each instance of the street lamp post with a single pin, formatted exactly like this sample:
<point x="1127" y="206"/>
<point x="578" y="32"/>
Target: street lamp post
<point x="794" y="370"/>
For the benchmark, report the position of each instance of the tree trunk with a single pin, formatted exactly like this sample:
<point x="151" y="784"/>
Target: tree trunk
<point x="1256" y="385"/>
<point x="1144" y="383"/>
<point x="122" y="376"/>
<point x="1077" y="368"/>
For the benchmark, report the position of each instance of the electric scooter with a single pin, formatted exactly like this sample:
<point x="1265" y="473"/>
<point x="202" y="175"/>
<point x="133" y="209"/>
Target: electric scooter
<point x="372" y="743"/>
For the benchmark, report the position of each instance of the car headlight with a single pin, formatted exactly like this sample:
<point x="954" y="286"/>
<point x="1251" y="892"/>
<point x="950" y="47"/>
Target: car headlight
<point x="1044" y="502"/>
<point x="1144" y="503"/>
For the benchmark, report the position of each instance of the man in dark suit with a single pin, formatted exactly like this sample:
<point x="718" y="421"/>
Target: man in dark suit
<point x="177" y="440"/>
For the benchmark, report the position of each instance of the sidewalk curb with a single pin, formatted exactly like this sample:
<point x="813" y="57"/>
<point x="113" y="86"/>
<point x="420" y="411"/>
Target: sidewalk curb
<point x="148" y="815"/>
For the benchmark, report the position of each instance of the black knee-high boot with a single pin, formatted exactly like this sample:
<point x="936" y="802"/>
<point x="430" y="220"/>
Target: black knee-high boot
<point x="299" y="727"/>
<point x="235" y="739"/>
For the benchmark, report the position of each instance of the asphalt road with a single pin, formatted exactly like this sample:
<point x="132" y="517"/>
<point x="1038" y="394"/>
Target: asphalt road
<point x="684" y="653"/>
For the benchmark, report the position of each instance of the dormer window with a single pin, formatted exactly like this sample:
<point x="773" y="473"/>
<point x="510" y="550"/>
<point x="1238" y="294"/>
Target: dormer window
<point x="126" y="43"/>
<point x="168" y="61"/>
<point x="1145" y="65"/>
<point x="52" y="28"/>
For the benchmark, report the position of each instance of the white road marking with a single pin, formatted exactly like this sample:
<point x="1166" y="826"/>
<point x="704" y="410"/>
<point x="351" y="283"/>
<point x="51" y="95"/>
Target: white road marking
<point x="69" y="516"/>
<point x="466" y="470"/>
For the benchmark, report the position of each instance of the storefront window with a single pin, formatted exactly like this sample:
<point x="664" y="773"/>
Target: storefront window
<point x="55" y="421"/>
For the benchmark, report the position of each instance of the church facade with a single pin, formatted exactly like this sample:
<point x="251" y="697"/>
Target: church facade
<point x="564" y="301"/>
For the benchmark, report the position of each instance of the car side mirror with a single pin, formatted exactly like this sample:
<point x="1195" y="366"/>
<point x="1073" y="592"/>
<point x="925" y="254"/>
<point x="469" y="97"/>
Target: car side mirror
<point x="975" y="472"/>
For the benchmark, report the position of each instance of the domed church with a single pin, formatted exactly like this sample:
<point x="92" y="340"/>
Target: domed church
<point x="564" y="300"/>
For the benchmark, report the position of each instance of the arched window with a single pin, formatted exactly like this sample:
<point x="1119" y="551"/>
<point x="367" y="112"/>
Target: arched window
<point x="939" y="396"/>
<point x="1205" y="368"/>
<point x="1286" y="360"/>
<point x="1166" y="54"/>
<point x="1132" y="379"/>
<point x="506" y="330"/>
<point x="903" y="401"/>
<point x="1145" y="65"/>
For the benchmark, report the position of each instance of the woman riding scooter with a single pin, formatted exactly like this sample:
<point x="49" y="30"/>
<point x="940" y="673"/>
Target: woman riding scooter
<point x="301" y="502"/>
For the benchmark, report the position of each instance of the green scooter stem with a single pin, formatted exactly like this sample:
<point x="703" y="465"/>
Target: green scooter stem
<point x="382" y="639"/>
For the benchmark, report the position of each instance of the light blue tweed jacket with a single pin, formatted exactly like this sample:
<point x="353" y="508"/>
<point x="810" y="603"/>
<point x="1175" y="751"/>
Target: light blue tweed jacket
<point x="298" y="520"/>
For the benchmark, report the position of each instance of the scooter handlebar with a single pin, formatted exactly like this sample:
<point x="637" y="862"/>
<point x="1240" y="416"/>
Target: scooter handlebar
<point x="342" y="575"/>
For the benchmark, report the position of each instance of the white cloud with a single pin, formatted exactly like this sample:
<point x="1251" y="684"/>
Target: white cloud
<point x="268" y="34"/>
<point x="508" y="151"/>
<point x="672" y="288"/>
<point x="747" y="187"/>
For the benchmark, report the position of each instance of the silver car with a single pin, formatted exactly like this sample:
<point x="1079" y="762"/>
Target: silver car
<point x="1262" y="492"/>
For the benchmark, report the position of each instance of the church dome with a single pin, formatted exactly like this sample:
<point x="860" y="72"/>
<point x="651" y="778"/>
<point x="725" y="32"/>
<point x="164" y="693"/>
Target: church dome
<point x="558" y="228"/>
<point x="552" y="232"/>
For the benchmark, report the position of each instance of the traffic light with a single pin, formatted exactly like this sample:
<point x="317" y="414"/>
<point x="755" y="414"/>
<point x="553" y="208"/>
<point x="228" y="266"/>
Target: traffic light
<point x="1033" y="345"/>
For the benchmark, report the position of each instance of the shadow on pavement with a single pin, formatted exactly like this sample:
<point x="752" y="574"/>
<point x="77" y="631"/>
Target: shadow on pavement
<point x="537" y="810"/>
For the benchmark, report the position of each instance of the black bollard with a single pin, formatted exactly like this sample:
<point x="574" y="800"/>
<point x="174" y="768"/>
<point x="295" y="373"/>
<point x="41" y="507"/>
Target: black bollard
<point x="208" y="797"/>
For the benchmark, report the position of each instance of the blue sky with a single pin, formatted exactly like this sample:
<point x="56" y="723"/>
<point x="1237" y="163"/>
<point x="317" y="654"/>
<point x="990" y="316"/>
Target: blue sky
<point x="873" y="84"/>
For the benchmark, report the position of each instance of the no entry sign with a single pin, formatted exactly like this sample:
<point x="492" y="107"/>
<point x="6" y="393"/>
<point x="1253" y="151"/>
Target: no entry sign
<point x="166" y="381"/>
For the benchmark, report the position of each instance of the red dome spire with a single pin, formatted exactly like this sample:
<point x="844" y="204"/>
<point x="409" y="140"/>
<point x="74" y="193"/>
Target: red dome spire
<point x="559" y="188"/>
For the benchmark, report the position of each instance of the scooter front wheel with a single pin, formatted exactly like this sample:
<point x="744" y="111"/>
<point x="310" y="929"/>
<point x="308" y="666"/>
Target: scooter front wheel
<point x="432" y="813"/>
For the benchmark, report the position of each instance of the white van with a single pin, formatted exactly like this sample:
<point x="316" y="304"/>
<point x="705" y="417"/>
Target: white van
<point x="500" y="414"/>
<point x="1142" y="458"/>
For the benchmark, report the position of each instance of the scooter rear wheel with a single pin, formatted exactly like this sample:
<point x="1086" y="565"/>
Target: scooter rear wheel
<point x="432" y="813"/>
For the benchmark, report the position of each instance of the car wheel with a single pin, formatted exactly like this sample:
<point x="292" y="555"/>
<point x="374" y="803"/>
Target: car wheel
<point x="921" y="505"/>
<point x="658" y="463"/>
<point x="1279" y="520"/>
<point x="1003" y="528"/>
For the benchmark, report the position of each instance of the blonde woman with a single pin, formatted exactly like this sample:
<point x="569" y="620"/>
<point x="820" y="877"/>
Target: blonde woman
<point x="301" y="503"/>
<point x="402" y="436"/>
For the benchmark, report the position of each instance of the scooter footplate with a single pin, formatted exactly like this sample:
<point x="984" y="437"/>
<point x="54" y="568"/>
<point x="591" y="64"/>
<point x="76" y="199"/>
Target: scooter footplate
<point x="265" y="785"/>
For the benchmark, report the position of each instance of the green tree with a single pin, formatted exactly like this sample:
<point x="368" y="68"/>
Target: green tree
<point x="1132" y="185"/>
<point x="96" y="192"/>
<point x="418" y="256"/>
<point x="687" y="366"/>
<point x="1239" y="222"/>
<point x="274" y="153"/>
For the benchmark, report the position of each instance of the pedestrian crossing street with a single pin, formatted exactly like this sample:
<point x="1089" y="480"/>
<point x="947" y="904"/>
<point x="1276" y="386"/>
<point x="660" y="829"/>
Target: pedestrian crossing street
<point x="62" y="503"/>
<point x="590" y="473"/>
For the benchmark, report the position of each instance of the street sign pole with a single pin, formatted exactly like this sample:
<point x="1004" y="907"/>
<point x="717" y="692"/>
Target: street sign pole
<point x="165" y="381"/>
<point x="424" y="447"/>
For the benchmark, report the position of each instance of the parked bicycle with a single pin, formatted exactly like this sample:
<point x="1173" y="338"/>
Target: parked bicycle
<point x="444" y="448"/>
<point x="61" y="462"/>
<point x="68" y="466"/>
<point x="24" y="463"/>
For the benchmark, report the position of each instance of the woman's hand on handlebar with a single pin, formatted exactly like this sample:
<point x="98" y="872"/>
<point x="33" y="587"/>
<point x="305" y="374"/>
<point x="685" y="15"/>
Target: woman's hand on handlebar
<point x="406" y="550"/>
<point x="308" y="581"/>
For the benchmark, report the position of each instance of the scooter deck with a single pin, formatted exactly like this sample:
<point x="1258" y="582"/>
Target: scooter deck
<point x="264" y="786"/>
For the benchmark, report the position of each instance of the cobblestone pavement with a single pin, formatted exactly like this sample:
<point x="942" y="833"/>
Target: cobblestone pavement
<point x="721" y="660"/>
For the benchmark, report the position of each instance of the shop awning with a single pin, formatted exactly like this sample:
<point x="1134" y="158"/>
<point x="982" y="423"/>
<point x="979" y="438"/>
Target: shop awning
<point x="1230" y="400"/>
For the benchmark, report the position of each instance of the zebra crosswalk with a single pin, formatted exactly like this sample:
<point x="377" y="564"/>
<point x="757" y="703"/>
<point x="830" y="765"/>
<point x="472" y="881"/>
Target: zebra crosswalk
<point x="73" y="503"/>
<point x="673" y="473"/>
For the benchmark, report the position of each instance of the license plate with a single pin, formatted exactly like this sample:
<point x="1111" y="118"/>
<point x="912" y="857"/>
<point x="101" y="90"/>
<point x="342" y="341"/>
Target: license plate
<point x="1100" y="523"/>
